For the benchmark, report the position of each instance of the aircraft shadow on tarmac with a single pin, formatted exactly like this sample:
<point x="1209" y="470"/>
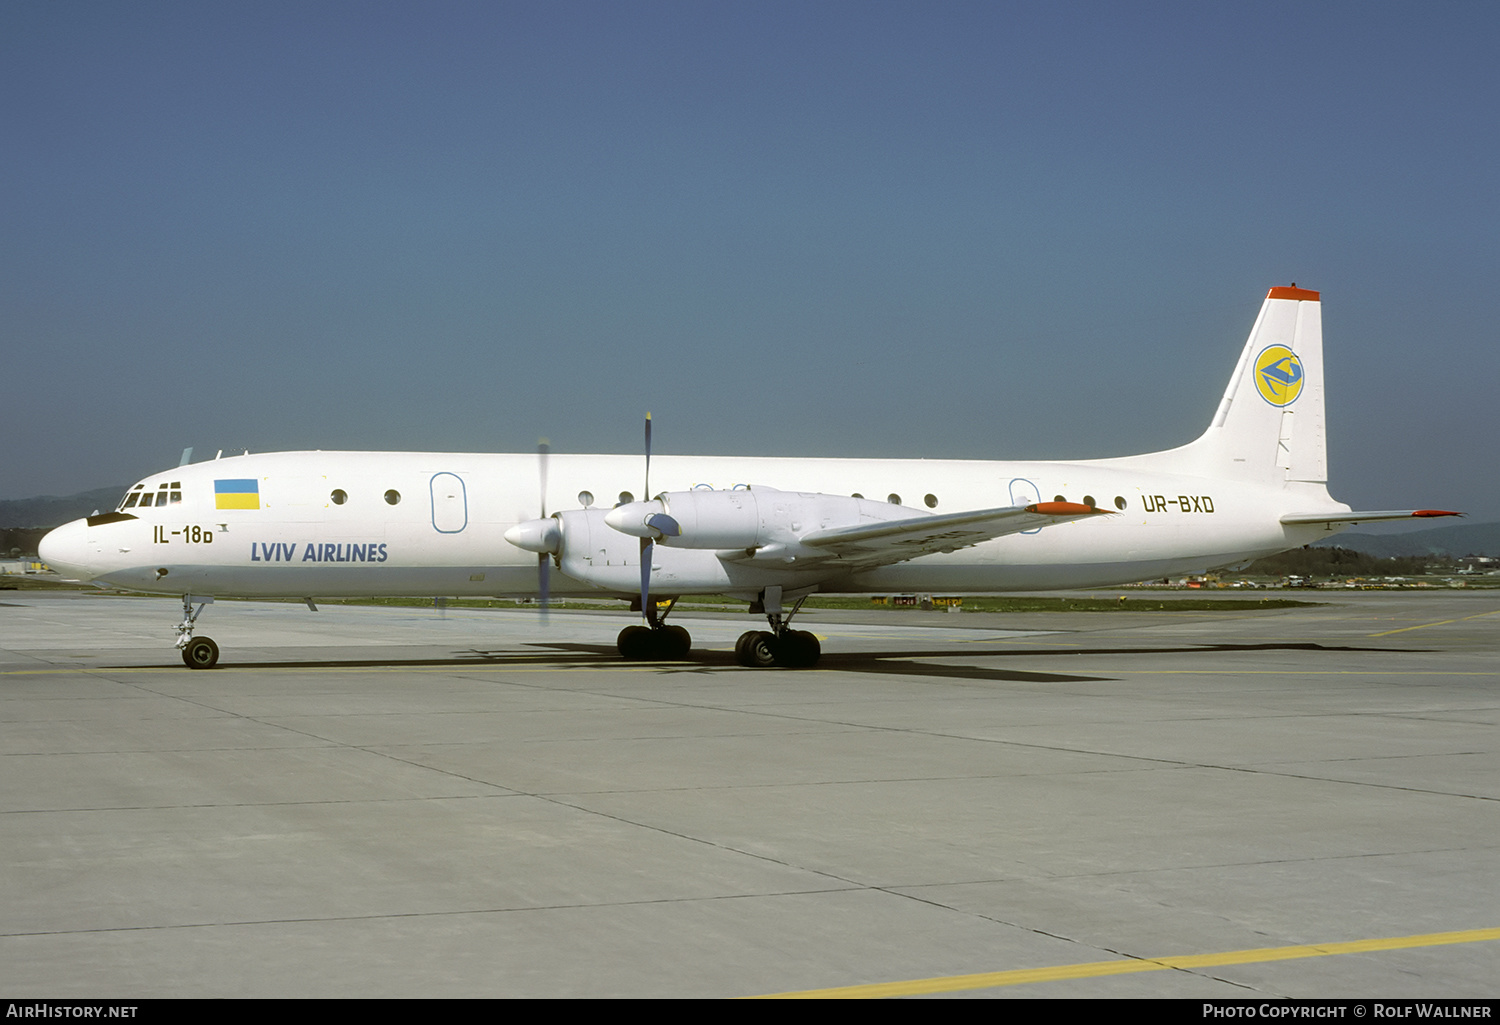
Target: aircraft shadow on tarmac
<point x="567" y="655"/>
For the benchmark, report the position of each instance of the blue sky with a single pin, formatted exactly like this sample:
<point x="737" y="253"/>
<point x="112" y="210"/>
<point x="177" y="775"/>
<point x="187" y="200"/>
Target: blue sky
<point x="975" y="230"/>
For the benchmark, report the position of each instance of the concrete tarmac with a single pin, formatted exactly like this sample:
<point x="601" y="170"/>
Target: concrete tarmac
<point x="377" y="802"/>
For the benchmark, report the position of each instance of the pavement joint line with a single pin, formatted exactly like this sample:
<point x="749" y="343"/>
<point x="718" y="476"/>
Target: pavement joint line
<point x="1127" y="966"/>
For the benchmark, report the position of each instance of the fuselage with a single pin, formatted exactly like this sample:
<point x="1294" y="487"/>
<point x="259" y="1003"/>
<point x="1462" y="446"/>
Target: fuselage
<point x="330" y="524"/>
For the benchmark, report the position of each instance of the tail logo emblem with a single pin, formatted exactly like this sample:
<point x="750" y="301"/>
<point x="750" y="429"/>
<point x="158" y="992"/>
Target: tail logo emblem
<point x="1278" y="375"/>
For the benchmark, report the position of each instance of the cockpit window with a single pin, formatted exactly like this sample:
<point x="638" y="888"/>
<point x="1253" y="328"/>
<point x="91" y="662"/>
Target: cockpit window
<point x="165" y="494"/>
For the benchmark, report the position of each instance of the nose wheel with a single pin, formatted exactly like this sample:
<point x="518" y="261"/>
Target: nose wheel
<point x="200" y="653"/>
<point x="197" y="652"/>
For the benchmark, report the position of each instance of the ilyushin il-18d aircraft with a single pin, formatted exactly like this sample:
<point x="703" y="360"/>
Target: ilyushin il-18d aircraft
<point x="767" y="531"/>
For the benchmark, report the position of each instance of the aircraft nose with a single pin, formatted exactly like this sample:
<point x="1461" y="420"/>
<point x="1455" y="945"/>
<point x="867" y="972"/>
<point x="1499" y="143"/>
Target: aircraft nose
<point x="65" y="551"/>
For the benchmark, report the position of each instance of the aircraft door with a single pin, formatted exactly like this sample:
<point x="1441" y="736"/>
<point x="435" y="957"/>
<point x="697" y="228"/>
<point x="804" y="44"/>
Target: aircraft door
<point x="1023" y="492"/>
<point x="450" y="503"/>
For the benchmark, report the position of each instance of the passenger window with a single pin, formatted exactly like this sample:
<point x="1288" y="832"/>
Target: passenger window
<point x="893" y="498"/>
<point x="1088" y="500"/>
<point x="930" y="501"/>
<point x="339" y="496"/>
<point x="1119" y="502"/>
<point x="585" y="498"/>
<point x="392" y="497"/>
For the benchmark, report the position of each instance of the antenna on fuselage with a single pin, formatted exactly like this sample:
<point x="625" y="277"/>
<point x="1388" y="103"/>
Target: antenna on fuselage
<point x="187" y="456"/>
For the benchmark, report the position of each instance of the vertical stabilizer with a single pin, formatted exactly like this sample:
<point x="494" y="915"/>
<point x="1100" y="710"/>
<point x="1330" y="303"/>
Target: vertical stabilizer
<point x="1269" y="426"/>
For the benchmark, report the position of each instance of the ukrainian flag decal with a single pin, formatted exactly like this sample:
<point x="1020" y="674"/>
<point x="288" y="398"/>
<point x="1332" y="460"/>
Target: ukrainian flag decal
<point x="237" y="494"/>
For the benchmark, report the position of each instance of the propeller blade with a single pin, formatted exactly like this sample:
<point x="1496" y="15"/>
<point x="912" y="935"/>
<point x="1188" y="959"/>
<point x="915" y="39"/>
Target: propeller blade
<point x="542" y="451"/>
<point x="646" y="546"/>
<point x="543" y="575"/>
<point x="543" y="559"/>
<point x="646" y="493"/>
<point x="664" y="525"/>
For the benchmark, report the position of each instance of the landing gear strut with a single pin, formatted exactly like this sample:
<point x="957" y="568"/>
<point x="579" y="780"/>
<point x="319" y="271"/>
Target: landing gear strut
<point x="656" y="642"/>
<point x="197" y="652"/>
<point x="781" y="646"/>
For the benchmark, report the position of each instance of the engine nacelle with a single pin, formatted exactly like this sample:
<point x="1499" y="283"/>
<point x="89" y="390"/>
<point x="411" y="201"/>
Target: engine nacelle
<point x="729" y="541"/>
<point x="746" y="519"/>
<point x="599" y="555"/>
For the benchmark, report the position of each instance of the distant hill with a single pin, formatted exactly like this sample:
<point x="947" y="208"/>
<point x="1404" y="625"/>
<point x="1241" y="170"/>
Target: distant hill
<point x="1457" y="540"/>
<point x="51" y="511"/>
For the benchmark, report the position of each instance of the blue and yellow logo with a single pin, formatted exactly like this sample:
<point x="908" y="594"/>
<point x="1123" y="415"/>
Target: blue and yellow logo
<point x="1278" y="375"/>
<point x="237" y="494"/>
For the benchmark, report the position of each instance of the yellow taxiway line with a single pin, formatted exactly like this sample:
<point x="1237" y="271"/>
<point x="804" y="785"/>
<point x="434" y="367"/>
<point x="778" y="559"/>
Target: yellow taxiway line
<point x="1127" y="966"/>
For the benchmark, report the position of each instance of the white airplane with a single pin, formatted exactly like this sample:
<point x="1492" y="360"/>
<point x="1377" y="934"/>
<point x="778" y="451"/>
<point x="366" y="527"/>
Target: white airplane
<point x="767" y="531"/>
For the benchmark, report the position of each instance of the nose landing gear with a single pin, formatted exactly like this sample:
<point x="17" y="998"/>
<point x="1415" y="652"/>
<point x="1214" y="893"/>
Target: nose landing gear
<point x="199" y="652"/>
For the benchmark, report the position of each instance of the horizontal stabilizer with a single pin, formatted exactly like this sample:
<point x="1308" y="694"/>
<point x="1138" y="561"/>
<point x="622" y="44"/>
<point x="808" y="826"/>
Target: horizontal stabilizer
<point x="1365" y="517"/>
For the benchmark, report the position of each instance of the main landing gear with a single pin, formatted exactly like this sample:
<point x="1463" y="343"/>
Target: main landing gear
<point x="656" y="642"/>
<point x="757" y="649"/>
<point x="659" y="644"/>
<point x="781" y="645"/>
<point x="791" y="649"/>
<point x="197" y="652"/>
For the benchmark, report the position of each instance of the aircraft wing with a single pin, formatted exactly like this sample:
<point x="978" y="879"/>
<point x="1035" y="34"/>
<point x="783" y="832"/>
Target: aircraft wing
<point x="1364" y="517"/>
<point x="891" y="541"/>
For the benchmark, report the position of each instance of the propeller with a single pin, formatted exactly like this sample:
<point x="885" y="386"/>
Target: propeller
<point x="543" y="559"/>
<point x="647" y="543"/>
